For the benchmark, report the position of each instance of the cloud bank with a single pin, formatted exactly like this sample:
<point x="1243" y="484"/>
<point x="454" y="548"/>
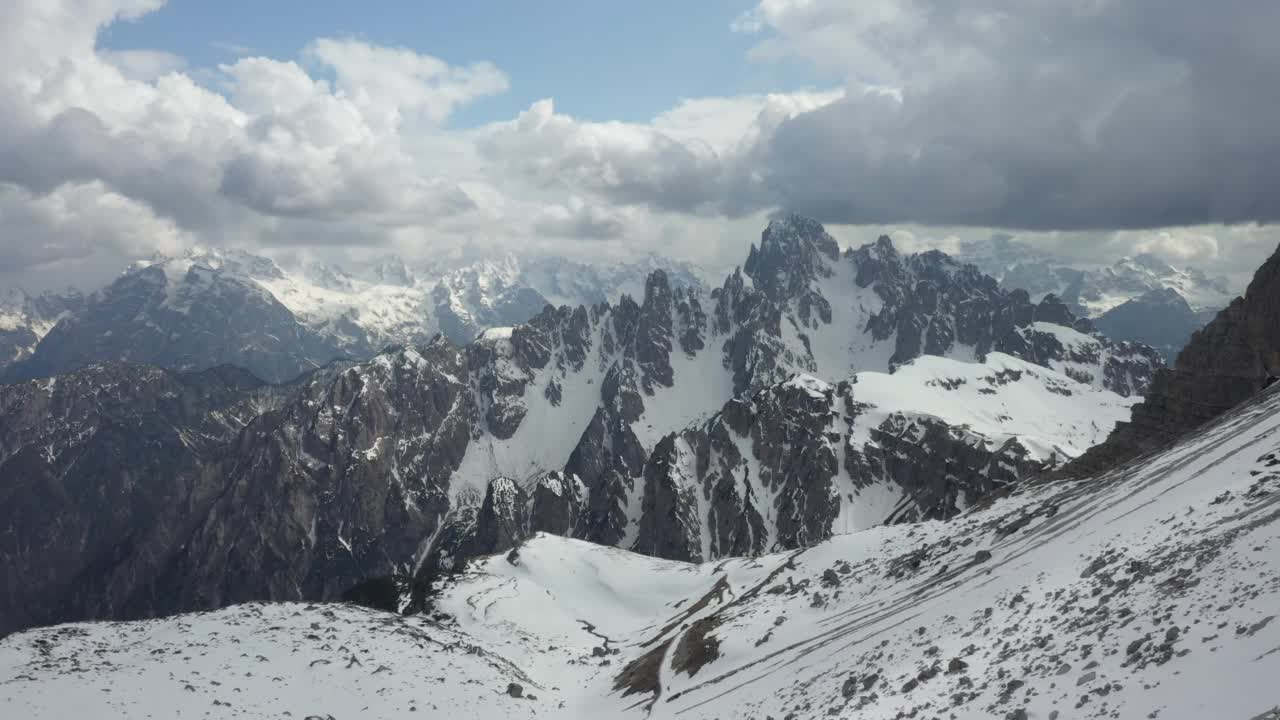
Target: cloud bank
<point x="1082" y="125"/>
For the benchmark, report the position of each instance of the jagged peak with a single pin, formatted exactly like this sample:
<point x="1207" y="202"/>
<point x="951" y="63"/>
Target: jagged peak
<point x="791" y="231"/>
<point x="880" y="251"/>
<point x="793" y="251"/>
<point x="656" y="286"/>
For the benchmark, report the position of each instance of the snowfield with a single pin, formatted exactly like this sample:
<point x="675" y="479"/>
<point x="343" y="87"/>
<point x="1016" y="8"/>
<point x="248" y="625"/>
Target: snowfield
<point x="1148" y="592"/>
<point x="1055" y="416"/>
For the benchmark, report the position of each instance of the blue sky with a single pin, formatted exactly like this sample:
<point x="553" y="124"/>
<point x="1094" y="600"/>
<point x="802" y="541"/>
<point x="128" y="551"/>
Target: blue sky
<point x="607" y="60"/>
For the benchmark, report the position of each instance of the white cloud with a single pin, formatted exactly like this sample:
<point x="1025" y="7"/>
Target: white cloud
<point x="910" y="242"/>
<point x="272" y="149"/>
<point x="386" y="83"/>
<point x="350" y="144"/>
<point x="1183" y="246"/>
<point x="695" y="158"/>
<point x="577" y="219"/>
<point x="76" y="230"/>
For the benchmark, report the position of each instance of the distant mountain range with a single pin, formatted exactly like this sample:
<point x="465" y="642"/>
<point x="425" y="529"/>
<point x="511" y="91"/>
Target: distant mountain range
<point x="1139" y="298"/>
<point x="25" y="319"/>
<point x="212" y="307"/>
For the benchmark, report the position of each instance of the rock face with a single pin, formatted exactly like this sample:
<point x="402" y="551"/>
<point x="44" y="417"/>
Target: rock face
<point x="799" y="461"/>
<point x="1228" y="361"/>
<point x="106" y="472"/>
<point x="815" y="392"/>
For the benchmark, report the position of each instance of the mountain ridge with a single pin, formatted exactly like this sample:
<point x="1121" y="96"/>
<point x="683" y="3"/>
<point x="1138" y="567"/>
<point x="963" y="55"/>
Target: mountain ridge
<point x="384" y="466"/>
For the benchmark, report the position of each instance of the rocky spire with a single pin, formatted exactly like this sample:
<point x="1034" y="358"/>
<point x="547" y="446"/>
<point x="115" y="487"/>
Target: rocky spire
<point x="794" y="250"/>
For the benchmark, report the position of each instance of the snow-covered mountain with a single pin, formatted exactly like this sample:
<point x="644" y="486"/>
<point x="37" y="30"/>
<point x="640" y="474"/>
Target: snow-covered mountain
<point x="1093" y="290"/>
<point x="213" y="306"/>
<point x="1140" y="299"/>
<point x="391" y="303"/>
<point x="185" y="316"/>
<point x="1150" y="590"/>
<point x="25" y="319"/>
<point x="814" y="392"/>
<point x="861" y="454"/>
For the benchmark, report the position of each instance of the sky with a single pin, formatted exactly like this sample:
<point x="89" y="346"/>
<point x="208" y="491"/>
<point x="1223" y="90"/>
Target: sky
<point x="1089" y="128"/>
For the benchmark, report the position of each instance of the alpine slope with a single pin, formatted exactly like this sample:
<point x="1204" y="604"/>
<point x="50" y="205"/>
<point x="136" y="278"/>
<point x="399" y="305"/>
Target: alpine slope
<point x="1149" y="591"/>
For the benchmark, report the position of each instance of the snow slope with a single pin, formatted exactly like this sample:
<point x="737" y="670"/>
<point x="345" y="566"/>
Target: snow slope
<point x="1001" y="398"/>
<point x="1151" y="591"/>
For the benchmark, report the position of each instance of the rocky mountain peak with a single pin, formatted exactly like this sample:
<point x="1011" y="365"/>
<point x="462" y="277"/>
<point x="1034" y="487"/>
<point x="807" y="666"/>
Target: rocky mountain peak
<point x="182" y="315"/>
<point x="234" y="261"/>
<point x="657" y="289"/>
<point x="328" y="277"/>
<point x="793" y="251"/>
<point x="884" y="247"/>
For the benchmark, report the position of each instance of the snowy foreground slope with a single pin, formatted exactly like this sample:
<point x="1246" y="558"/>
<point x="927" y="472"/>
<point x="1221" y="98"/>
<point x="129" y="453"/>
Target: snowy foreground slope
<point x="1148" y="592"/>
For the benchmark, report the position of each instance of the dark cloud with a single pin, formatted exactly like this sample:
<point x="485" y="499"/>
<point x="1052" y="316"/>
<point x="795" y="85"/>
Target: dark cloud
<point x="1136" y="114"/>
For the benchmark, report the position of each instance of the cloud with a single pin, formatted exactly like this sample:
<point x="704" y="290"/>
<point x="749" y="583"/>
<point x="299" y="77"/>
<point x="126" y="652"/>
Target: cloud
<point x="909" y="242"/>
<point x="385" y="83"/>
<point x="1047" y="115"/>
<point x="577" y="219"/>
<point x="696" y="158"/>
<point x="70" y="233"/>
<point x="1088" y="127"/>
<point x="274" y="148"/>
<point x="1185" y="247"/>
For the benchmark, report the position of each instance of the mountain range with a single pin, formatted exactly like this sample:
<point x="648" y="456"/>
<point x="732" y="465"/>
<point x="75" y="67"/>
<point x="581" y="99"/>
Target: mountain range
<point x="851" y="483"/>
<point x="25" y="319"/>
<point x="814" y="392"/>
<point x="1093" y="290"/>
<point x="1140" y="298"/>
<point x="216" y="306"/>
